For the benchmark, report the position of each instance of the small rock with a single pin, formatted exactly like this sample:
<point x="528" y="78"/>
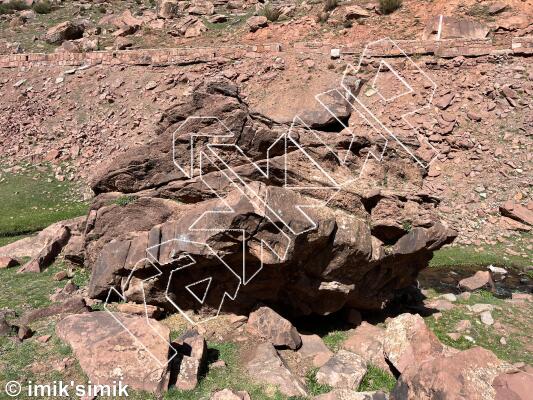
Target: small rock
<point x="481" y="307"/>
<point x="463" y="325"/>
<point x="367" y="341"/>
<point x="139" y="309"/>
<point x="256" y="23"/>
<point x="314" y="348"/>
<point x="486" y="318"/>
<point x="218" y="364"/>
<point x="266" y="366"/>
<point x="335" y="53"/>
<point x="454" y="335"/>
<point x="449" y="297"/>
<point x="24" y="333"/>
<point x="503" y="340"/>
<point x="439" y="304"/>
<point x="44" y="338"/>
<point x="497" y="270"/>
<point x="479" y="280"/>
<point x="59" y="276"/>
<point x="496" y="8"/>
<point x="522" y="296"/>
<point x="150" y="85"/>
<point x="473" y="116"/>
<point x="514" y="385"/>
<point x="189" y="370"/>
<point x="464" y="296"/>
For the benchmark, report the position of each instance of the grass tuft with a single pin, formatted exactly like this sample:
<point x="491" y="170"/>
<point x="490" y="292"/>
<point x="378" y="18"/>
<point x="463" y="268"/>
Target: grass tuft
<point x="32" y="200"/>
<point x="314" y="388"/>
<point x="376" y="379"/>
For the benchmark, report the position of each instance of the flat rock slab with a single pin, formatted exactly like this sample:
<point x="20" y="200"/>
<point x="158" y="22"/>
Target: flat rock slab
<point x="464" y="375"/>
<point x="477" y="281"/>
<point x="107" y="352"/>
<point x="266" y="366"/>
<point x="514" y="385"/>
<point x="344" y="370"/>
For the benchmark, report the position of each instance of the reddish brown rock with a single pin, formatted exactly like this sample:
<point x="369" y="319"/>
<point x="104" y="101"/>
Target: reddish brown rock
<point x="64" y="293"/>
<point x="189" y="371"/>
<point x="72" y="305"/>
<point x="8" y="262"/>
<point x="24" y="333"/>
<point x="304" y="283"/>
<point x="367" y="341"/>
<point x="110" y="353"/>
<point x="314" y="348"/>
<point x="465" y="375"/>
<point x="345" y="370"/>
<point x="139" y="309"/>
<point x="268" y="324"/>
<point x="514" y="385"/>
<point x="266" y="366"/>
<point x="408" y="341"/>
<point x="477" y="281"/>
<point x="67" y="30"/>
<point x="48" y="254"/>
<point x="256" y="23"/>
<point x="517" y="212"/>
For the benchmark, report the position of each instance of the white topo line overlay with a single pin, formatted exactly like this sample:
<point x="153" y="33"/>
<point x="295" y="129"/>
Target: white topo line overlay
<point x="212" y="154"/>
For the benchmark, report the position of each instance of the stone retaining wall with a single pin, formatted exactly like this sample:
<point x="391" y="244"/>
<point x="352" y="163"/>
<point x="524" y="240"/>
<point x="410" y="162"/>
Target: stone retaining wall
<point x="521" y="46"/>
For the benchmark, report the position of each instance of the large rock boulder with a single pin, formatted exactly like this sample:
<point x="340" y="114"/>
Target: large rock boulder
<point x="345" y="370"/>
<point x="408" y="341"/>
<point x="306" y="249"/>
<point x="465" y="375"/>
<point x="48" y="253"/>
<point x="67" y="30"/>
<point x="268" y="324"/>
<point x="113" y="347"/>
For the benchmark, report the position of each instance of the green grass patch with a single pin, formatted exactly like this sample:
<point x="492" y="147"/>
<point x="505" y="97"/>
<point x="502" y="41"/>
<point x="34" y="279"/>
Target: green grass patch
<point x="334" y="340"/>
<point x="29" y="290"/>
<point x="376" y="379"/>
<point x="458" y="256"/>
<point x="33" y="200"/>
<point x="313" y="387"/>
<point x="517" y="320"/>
